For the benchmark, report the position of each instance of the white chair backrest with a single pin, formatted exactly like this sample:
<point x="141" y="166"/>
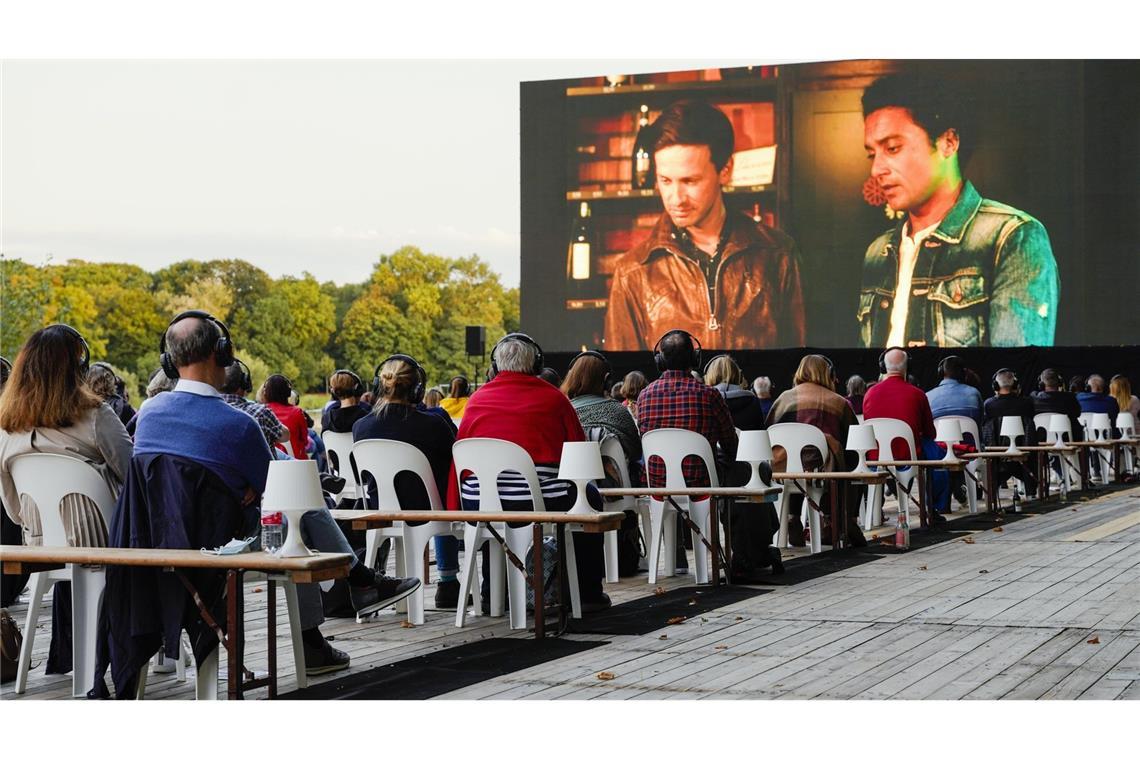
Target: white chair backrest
<point x="969" y="426"/>
<point x="611" y="449"/>
<point x="1126" y="424"/>
<point x="673" y="445"/>
<point x="288" y="446"/>
<point x="793" y="438"/>
<point x="1086" y="420"/>
<point x="48" y="478"/>
<point x="1044" y="420"/>
<point x="887" y="429"/>
<point x="339" y="447"/>
<point x="486" y="459"/>
<point x="384" y="460"/>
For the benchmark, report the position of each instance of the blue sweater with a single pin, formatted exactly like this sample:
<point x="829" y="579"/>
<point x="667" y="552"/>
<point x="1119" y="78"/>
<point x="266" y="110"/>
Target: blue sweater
<point x="206" y="430"/>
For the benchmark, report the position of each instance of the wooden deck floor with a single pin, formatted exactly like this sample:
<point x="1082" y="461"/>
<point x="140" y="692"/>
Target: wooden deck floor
<point x="995" y="614"/>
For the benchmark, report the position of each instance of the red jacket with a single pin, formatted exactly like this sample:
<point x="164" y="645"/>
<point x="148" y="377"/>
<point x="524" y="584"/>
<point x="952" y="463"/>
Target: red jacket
<point x="294" y="419"/>
<point x="895" y="397"/>
<point x="523" y="409"/>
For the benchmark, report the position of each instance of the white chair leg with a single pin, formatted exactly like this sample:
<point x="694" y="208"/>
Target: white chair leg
<point x="140" y="683"/>
<point x="816" y="529"/>
<point x="669" y="540"/>
<point x="518" y="541"/>
<point x="41" y="582"/>
<point x="646" y="532"/>
<point x="972" y="490"/>
<point x="372" y="540"/>
<point x="572" y="577"/>
<point x="468" y="572"/>
<point x="206" y="682"/>
<point x="699" y="513"/>
<point x="401" y="563"/>
<point x="656" y="531"/>
<point x="498" y="575"/>
<point x="293" y="608"/>
<point x="782" y="518"/>
<point x="86" y="593"/>
<point x="610" y="547"/>
<point x="414" y="541"/>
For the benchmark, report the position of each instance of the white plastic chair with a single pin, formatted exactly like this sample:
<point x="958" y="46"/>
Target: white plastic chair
<point x="887" y="430"/>
<point x="1070" y="472"/>
<point x="672" y="445"/>
<point x="970" y="434"/>
<point x="612" y="450"/>
<point x="1101" y="432"/>
<point x="793" y="438"/>
<point x="486" y="459"/>
<point x="47" y="479"/>
<point x="339" y="448"/>
<point x="384" y="460"/>
<point x="1126" y="424"/>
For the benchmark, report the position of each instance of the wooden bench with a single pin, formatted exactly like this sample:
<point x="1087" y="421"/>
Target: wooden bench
<point x="34" y="559"/>
<point x="600" y="522"/>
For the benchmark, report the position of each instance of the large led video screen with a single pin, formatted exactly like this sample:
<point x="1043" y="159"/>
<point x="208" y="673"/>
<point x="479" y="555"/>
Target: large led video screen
<point x="842" y="204"/>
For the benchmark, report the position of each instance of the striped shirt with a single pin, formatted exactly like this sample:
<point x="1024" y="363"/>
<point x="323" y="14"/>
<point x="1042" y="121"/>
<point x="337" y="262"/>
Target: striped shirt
<point x="515" y="492"/>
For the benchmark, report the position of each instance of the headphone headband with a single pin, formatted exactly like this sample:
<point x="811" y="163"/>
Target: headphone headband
<point x="223" y="348"/>
<point x="86" y="363"/>
<point x="523" y="338"/>
<point x="694" y="349"/>
<point x="357" y="389"/>
<point x="883" y="358"/>
<point x="418" y="389"/>
<point x="994" y="379"/>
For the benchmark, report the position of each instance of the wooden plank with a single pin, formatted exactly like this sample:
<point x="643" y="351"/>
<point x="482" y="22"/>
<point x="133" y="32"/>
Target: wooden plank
<point x="258" y="561"/>
<point x="1049" y="676"/>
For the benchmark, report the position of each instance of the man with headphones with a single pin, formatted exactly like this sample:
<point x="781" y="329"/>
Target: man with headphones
<point x="1052" y="398"/>
<point x="518" y="406"/>
<point x="194" y="423"/>
<point x="1007" y="401"/>
<point x="952" y="396"/>
<point x="894" y="397"/>
<point x="237" y="384"/>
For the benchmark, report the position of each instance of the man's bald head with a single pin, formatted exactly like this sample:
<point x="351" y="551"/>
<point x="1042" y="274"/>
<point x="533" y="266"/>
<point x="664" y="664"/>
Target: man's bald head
<point x="191" y="341"/>
<point x="895" y="362"/>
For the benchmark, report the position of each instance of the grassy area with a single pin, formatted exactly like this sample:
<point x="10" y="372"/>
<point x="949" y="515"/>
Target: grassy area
<point x="311" y="401"/>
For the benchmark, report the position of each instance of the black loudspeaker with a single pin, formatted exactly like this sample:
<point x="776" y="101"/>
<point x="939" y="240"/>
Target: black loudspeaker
<point x="476" y="340"/>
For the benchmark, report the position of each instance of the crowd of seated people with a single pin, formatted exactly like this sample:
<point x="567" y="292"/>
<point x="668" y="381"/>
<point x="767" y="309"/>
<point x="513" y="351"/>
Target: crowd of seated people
<point x="197" y="408"/>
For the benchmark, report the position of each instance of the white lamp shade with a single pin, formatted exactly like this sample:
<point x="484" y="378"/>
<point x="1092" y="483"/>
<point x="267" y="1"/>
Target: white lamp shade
<point x="1011" y="427"/>
<point x="861" y="438"/>
<point x="949" y="431"/>
<point x="1125" y="421"/>
<point x="1101" y="421"/>
<point x="581" y="460"/>
<point x="755" y="446"/>
<point x="292" y="484"/>
<point x="1059" y="423"/>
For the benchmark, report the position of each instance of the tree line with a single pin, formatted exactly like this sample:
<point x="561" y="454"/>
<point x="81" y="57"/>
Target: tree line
<point x="415" y="302"/>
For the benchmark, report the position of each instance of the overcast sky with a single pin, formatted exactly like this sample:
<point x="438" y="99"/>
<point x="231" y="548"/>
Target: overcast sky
<point x="316" y="166"/>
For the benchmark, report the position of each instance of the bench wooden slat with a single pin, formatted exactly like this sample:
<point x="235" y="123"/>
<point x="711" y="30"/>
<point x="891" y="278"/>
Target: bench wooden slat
<point x="32" y="558"/>
<point x="363" y="519"/>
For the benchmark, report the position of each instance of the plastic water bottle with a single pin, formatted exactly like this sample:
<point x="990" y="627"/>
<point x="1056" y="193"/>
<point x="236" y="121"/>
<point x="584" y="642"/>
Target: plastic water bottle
<point x="902" y="533"/>
<point x="272" y="531"/>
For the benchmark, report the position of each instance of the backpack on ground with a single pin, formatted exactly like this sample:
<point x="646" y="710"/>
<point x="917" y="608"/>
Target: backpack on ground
<point x="10" y="641"/>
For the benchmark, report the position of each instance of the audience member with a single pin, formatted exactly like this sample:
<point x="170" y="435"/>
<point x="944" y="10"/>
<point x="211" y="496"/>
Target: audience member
<point x="1077" y="384"/>
<point x="276" y="393"/>
<point x="615" y="392"/>
<point x="894" y="397"/>
<point x="1007" y="401"/>
<point x="347" y="388"/>
<point x="47" y="407"/>
<point x="1094" y="399"/>
<point x="812" y="400"/>
<point x="586" y="379"/>
<point x="105" y="384"/>
<point x="952" y="397"/>
<point x="433" y="398"/>
<point x="762" y="387"/>
<point x="631" y="387"/>
<point x="1121" y="390"/>
<point x="239" y="382"/>
<point x="457" y="397"/>
<point x="724" y="374"/>
<point x="551" y="376"/>
<point x="194" y="423"/>
<point x="856" y="389"/>
<point x="518" y="406"/>
<point x="1052" y="398"/>
<point x="396" y="418"/>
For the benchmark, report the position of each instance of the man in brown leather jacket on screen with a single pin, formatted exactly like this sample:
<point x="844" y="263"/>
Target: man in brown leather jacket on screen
<point x="729" y="281"/>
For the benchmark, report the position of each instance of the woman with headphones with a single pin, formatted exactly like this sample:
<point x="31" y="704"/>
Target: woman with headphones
<point x="399" y="385"/>
<point x="47" y="407"/>
<point x="346" y="388"/>
<point x="275" y="393"/>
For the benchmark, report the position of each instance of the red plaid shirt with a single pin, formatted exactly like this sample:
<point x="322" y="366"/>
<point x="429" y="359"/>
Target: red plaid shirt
<point x="677" y="400"/>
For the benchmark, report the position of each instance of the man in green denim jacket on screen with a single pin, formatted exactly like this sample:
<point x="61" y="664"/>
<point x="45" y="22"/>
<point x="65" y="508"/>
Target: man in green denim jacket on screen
<point x="960" y="270"/>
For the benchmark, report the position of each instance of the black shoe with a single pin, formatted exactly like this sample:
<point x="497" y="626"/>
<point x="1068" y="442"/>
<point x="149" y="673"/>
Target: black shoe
<point x="324" y="659"/>
<point x="447" y="595"/>
<point x="485" y="604"/>
<point x="855" y="535"/>
<point x="332" y="483"/>
<point x="386" y="592"/>
<point x="777" y="561"/>
<point x="596" y="604"/>
<point x="960" y="495"/>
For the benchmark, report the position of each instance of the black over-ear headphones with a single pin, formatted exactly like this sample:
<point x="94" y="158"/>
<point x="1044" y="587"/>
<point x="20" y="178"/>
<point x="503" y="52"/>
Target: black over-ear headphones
<point x="246" y="376"/>
<point x="994" y="381"/>
<point x="5" y="369"/>
<point x="538" y="361"/>
<point x="831" y="372"/>
<point x="357" y="389"/>
<point x="883" y="358"/>
<point x="597" y="355"/>
<point x="223" y="349"/>
<point x="85" y="364"/>
<point x="418" y="390"/>
<point x="694" y="349"/>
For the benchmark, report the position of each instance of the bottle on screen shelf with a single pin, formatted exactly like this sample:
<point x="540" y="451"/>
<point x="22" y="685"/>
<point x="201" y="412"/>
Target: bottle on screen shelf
<point x="578" y="255"/>
<point x="642" y="160"/>
<point x="756" y="215"/>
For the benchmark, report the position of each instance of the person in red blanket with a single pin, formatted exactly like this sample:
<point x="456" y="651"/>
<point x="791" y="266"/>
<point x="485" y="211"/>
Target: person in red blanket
<point x="517" y="405"/>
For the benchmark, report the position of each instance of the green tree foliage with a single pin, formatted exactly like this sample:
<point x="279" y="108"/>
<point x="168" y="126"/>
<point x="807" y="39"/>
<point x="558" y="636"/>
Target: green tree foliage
<point x="419" y="303"/>
<point x="289" y="329"/>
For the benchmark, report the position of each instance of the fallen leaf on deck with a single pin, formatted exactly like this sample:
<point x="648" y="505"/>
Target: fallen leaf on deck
<point x="999" y="529"/>
<point x="704" y="620"/>
<point x="967" y="540"/>
<point x="1094" y="640"/>
<point x="406" y="624"/>
<point x="739" y="618"/>
<point x="258" y="590"/>
<point x="922" y="567"/>
<point x="662" y="637"/>
<point x="659" y="591"/>
<point x="605" y="675"/>
<point x="722" y="646"/>
<point x="1072" y="510"/>
<point x="675" y="620"/>
<point x="874" y="536"/>
<point x="982" y="572"/>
